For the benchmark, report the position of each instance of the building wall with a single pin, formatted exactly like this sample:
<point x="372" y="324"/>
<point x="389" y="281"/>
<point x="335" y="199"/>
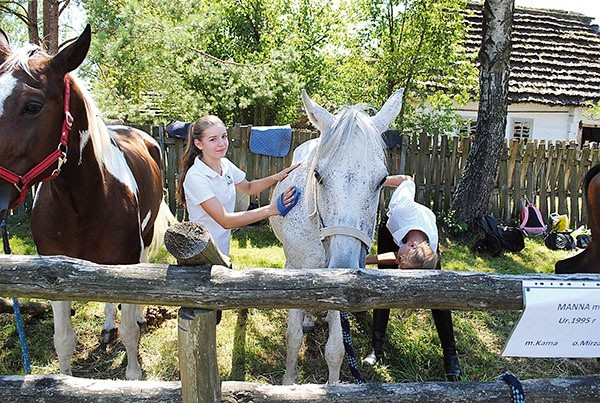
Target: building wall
<point x="548" y="123"/>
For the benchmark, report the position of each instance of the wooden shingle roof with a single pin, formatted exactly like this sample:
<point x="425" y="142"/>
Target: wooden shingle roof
<point x="555" y="57"/>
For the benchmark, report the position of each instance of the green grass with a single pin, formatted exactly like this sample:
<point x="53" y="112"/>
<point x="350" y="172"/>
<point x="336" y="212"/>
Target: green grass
<point x="251" y="343"/>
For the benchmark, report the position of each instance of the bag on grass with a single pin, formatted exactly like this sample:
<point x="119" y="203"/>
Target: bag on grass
<point x="560" y="241"/>
<point x="532" y="221"/>
<point x="496" y="239"/>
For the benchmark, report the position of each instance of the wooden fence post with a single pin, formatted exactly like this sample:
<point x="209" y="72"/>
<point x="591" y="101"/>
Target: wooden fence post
<point x="191" y="244"/>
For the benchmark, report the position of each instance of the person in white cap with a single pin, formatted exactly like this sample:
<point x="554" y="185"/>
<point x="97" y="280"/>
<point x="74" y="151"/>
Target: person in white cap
<point x="408" y="239"/>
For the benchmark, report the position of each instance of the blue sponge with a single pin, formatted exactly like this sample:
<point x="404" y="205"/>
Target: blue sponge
<point x="283" y="209"/>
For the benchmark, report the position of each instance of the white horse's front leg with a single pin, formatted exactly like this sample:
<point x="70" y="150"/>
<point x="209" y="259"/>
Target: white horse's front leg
<point x="294" y="342"/>
<point x="109" y="331"/>
<point x="334" y="349"/>
<point x="130" y="336"/>
<point x="64" y="336"/>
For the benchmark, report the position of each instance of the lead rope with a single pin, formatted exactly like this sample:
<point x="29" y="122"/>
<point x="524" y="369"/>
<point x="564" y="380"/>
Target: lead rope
<point x="17" y="311"/>
<point x="350" y="356"/>
<point x="515" y="386"/>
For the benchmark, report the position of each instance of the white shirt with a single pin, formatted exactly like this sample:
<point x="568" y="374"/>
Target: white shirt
<point x="405" y="215"/>
<point x="202" y="183"/>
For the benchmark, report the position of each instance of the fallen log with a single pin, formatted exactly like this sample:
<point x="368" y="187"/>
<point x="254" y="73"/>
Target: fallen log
<point x="66" y="389"/>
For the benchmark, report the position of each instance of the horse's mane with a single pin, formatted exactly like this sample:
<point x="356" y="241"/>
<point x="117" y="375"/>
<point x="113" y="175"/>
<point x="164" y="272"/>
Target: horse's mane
<point x="336" y="141"/>
<point x="20" y="57"/>
<point x="98" y="134"/>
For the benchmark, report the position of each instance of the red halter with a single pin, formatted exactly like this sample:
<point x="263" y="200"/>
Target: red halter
<point x="60" y="155"/>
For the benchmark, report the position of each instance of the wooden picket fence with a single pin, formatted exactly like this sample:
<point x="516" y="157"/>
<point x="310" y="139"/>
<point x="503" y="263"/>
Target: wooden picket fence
<point x="548" y="174"/>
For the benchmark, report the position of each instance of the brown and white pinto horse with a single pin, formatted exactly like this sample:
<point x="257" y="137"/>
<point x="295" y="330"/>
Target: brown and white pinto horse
<point x="587" y="261"/>
<point x="100" y="196"/>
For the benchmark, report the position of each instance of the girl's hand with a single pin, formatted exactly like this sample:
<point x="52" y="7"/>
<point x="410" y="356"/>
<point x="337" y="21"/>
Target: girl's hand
<point x="284" y="173"/>
<point x="285" y="202"/>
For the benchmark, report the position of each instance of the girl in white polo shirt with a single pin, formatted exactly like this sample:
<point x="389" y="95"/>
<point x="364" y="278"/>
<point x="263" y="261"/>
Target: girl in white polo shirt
<point x="208" y="182"/>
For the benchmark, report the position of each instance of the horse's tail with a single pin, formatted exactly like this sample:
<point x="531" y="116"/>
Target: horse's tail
<point x="163" y="221"/>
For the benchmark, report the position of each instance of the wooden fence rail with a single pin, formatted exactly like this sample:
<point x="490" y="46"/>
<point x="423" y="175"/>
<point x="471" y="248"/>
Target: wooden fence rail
<point x="212" y="287"/>
<point x="217" y="287"/>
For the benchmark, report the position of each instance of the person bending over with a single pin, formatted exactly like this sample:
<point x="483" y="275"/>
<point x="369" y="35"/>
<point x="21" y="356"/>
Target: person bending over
<point x="408" y="239"/>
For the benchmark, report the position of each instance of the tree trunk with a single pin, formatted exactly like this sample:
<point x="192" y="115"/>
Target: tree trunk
<point x="32" y="25"/>
<point x="474" y="188"/>
<point x="50" y="10"/>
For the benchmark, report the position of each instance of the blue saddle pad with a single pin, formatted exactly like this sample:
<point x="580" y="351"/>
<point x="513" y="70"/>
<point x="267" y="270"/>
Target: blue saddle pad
<point x="178" y="129"/>
<point x="274" y="141"/>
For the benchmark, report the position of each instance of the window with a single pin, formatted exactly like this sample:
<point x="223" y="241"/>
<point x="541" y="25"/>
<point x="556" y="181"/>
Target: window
<point x="590" y="133"/>
<point x="522" y="128"/>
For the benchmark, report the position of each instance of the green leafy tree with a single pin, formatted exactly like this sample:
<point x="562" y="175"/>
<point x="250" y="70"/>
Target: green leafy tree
<point x="415" y="45"/>
<point x="242" y="60"/>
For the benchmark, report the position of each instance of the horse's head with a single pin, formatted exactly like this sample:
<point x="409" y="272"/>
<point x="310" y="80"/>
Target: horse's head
<point x="346" y="175"/>
<point x="32" y="113"/>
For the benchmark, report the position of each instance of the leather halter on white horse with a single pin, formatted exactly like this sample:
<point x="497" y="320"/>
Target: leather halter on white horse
<point x="333" y="224"/>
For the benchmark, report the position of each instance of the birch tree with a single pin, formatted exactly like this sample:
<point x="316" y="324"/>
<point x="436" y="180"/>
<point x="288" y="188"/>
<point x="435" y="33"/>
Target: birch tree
<point x="477" y="180"/>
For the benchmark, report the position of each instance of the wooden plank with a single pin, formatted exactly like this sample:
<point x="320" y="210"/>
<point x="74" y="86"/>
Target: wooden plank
<point x="197" y="349"/>
<point x="69" y="389"/>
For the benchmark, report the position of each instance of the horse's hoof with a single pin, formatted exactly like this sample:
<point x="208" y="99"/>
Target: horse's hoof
<point x="133" y="375"/>
<point x="288" y="382"/>
<point x="308" y="325"/>
<point x="108" y="336"/>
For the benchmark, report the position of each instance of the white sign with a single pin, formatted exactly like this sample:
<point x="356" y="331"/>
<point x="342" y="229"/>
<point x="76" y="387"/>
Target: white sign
<point x="561" y="319"/>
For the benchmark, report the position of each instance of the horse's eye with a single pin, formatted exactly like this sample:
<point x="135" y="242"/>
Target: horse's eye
<point x="318" y="177"/>
<point x="32" y="108"/>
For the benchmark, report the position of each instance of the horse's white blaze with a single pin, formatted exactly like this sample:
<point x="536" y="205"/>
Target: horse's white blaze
<point x="7" y="86"/>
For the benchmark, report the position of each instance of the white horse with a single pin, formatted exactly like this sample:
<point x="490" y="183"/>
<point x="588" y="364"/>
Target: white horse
<point x="332" y="225"/>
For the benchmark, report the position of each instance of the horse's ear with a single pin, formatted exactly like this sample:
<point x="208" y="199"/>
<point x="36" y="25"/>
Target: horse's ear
<point x="318" y="116"/>
<point x="389" y="111"/>
<point x="72" y="55"/>
<point x="4" y="46"/>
